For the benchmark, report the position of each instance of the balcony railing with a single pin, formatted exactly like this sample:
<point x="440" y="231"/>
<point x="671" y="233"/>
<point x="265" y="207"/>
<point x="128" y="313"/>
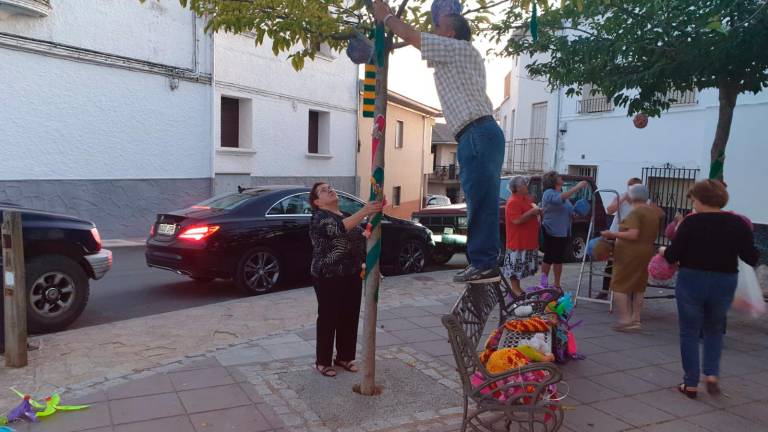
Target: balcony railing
<point x="445" y="173"/>
<point x="595" y="105"/>
<point x="525" y="155"/>
<point x="682" y="97"/>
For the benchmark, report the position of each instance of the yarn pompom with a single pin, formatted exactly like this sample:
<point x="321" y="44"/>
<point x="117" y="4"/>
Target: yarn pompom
<point x="660" y="269"/>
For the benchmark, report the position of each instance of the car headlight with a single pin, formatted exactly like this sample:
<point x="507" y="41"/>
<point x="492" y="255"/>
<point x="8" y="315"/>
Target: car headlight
<point x="462" y="221"/>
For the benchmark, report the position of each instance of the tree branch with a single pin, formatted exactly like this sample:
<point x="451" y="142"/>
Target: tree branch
<point x="485" y="8"/>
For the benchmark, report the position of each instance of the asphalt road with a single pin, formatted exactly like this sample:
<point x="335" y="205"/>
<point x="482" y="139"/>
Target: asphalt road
<point x="132" y="290"/>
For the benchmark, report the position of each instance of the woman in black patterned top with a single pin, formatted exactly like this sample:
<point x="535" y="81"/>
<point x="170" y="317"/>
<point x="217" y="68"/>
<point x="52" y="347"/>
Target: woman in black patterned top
<point x="338" y="252"/>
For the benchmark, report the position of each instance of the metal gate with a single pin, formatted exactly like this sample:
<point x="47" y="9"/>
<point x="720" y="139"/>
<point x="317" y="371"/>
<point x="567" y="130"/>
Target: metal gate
<point x="668" y="187"/>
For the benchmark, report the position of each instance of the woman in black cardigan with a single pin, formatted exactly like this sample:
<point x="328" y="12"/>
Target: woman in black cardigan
<point x="707" y="246"/>
<point x="338" y="252"/>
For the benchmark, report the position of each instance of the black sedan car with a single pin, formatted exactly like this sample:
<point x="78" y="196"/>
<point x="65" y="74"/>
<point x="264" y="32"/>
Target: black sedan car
<point x="260" y="236"/>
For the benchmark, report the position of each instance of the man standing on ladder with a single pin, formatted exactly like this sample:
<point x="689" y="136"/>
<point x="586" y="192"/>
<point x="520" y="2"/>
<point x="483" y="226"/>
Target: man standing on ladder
<point x="460" y="81"/>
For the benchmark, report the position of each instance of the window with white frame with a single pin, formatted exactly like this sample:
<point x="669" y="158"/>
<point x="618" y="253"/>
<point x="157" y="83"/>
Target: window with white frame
<point x="399" y="134"/>
<point x="318" y="133"/>
<point x="396" y="196"/>
<point x="236" y="122"/>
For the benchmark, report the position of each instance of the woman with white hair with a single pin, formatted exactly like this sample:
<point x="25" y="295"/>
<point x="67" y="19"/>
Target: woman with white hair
<point x="522" y="231"/>
<point x="631" y="255"/>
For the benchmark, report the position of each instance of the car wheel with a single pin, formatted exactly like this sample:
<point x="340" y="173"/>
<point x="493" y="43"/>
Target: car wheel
<point x="577" y="247"/>
<point x="441" y="255"/>
<point x="202" y="279"/>
<point x="258" y="271"/>
<point x="58" y="292"/>
<point x="411" y="258"/>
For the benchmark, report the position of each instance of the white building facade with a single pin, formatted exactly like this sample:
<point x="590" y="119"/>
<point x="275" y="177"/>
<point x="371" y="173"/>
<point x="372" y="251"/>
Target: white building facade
<point x="116" y="111"/>
<point x="671" y="152"/>
<point x="525" y="116"/>
<point x="274" y="125"/>
<point x="587" y="135"/>
<point x="105" y="110"/>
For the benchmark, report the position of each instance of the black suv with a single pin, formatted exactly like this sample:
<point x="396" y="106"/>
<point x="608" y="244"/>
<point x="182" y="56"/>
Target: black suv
<point x="449" y="223"/>
<point x="61" y="254"/>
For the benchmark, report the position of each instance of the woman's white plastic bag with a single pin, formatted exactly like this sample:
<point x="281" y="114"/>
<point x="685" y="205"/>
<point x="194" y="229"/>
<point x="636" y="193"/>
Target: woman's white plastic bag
<point x="749" y="296"/>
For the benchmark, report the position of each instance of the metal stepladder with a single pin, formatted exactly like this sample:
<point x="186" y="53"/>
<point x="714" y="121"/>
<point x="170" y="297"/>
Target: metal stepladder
<point x="592" y="268"/>
<point x="603" y="274"/>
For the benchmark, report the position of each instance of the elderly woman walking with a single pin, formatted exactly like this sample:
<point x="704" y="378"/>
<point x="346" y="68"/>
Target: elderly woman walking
<point x="631" y="255"/>
<point x="338" y="251"/>
<point x="707" y="246"/>
<point x="556" y="224"/>
<point x="522" y="232"/>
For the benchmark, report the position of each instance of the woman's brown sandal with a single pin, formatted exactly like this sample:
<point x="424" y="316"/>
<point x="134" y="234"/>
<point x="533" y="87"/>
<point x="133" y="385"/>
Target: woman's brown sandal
<point x="691" y="394"/>
<point x="347" y="365"/>
<point x="327" y="371"/>
<point x="713" y="388"/>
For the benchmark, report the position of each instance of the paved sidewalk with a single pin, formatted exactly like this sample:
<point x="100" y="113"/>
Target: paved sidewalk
<point x="245" y="374"/>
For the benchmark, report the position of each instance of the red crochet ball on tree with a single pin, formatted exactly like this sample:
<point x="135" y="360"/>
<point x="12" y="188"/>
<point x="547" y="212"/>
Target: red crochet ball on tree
<point x="640" y="120"/>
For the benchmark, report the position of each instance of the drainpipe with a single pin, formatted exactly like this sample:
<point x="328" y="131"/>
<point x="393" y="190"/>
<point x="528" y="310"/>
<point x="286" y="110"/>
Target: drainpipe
<point x="213" y="114"/>
<point x="557" y="131"/>
<point x="424" y="120"/>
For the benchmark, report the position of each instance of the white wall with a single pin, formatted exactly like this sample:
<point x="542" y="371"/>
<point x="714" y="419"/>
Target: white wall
<point x="682" y="137"/>
<point x="281" y="99"/>
<point x="68" y="119"/>
<point x="160" y="32"/>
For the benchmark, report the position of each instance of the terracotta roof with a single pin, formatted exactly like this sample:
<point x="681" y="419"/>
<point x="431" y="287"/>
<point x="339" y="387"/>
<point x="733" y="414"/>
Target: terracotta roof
<point x="442" y="135"/>
<point x="406" y="102"/>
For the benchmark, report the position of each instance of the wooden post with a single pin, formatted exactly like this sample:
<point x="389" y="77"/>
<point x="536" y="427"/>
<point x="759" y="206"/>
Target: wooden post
<point x="14" y="290"/>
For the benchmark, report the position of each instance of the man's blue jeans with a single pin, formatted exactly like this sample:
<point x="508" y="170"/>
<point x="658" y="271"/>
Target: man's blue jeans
<point x="480" y="155"/>
<point x="703" y="299"/>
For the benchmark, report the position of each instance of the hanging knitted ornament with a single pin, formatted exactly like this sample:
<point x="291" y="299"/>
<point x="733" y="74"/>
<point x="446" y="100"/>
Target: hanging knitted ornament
<point x="360" y="49"/>
<point x="640" y="120"/>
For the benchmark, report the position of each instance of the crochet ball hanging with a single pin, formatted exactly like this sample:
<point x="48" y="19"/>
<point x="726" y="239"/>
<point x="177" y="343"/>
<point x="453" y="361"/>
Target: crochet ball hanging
<point x="359" y="50"/>
<point x="640" y="120"/>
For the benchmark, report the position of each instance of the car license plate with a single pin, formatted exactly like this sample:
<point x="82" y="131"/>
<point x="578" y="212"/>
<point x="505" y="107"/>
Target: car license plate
<point x="448" y="231"/>
<point x="166" y="229"/>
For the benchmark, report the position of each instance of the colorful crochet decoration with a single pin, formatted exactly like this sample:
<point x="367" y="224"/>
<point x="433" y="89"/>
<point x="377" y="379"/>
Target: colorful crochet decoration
<point x="360" y="49"/>
<point x="506" y="359"/>
<point x="491" y="345"/>
<point x="23" y="411"/>
<point x="599" y="249"/>
<point x="369" y="91"/>
<point x="534" y="354"/>
<point x="516" y="386"/>
<point x="52" y="405"/>
<point x="528" y="325"/>
<point x="582" y="207"/>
